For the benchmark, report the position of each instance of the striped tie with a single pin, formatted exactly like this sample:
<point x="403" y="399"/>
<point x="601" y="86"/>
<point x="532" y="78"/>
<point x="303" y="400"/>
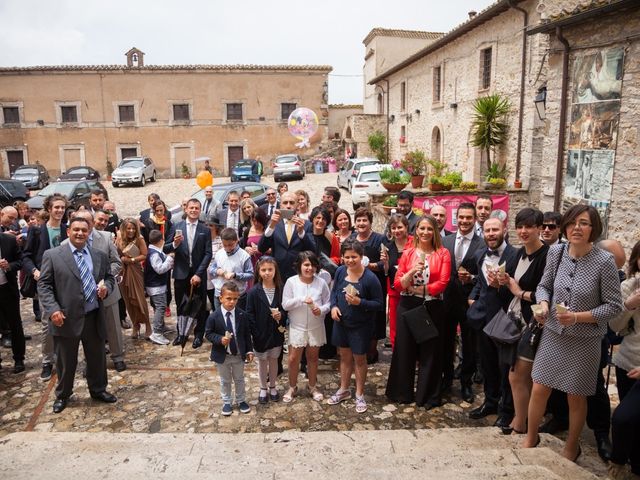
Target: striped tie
<point x="88" y="282"/>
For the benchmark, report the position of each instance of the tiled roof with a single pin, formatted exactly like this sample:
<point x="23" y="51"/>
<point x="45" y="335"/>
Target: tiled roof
<point x="390" y="32"/>
<point x="344" y="106"/>
<point x="557" y="9"/>
<point x="159" y="68"/>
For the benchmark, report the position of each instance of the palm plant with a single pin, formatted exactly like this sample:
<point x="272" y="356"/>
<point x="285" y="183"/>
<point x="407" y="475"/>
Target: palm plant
<point x="490" y="124"/>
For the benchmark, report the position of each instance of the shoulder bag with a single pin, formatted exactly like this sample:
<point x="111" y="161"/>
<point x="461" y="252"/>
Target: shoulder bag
<point x="420" y="324"/>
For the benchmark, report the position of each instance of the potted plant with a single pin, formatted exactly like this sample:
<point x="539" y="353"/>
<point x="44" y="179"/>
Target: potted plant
<point x="415" y="163"/>
<point x="455" y="178"/>
<point x="496" y="176"/>
<point x="390" y="203"/>
<point x="435" y="183"/>
<point x="517" y="183"/>
<point x="468" y="186"/>
<point x="184" y="170"/>
<point x="393" y="180"/>
<point x="109" y="169"/>
<point x="489" y="124"/>
<point x="446" y="184"/>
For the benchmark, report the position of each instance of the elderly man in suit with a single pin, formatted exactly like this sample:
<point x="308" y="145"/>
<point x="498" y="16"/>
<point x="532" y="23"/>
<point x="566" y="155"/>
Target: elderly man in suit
<point x="190" y="239"/>
<point x="103" y="242"/>
<point x="74" y="281"/>
<point x="10" y="264"/>
<point x="462" y="247"/>
<point x="486" y="298"/>
<point x="272" y="203"/>
<point x="287" y="237"/>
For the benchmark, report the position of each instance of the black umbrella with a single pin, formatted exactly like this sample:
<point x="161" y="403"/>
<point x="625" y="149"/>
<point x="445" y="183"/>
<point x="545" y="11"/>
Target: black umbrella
<point x="189" y="308"/>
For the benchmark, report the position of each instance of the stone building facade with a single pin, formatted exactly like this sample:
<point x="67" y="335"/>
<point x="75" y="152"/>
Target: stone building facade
<point x="88" y="115"/>
<point x="431" y="93"/>
<point x="338" y="114"/>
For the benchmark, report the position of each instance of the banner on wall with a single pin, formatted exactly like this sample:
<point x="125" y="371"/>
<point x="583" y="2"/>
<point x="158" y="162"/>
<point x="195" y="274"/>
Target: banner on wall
<point x="451" y="203"/>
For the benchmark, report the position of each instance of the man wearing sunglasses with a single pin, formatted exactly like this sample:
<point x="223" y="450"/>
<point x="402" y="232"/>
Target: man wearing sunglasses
<point x="551" y="228"/>
<point x="272" y="203"/>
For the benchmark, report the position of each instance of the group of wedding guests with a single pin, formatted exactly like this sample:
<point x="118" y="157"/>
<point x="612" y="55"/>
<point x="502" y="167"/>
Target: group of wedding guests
<point x="289" y="275"/>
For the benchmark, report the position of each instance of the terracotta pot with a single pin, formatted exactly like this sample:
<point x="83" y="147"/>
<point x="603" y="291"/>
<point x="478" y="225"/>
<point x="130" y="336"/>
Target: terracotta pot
<point x="394" y="187"/>
<point x="436" y="187"/>
<point x="387" y="209"/>
<point x="417" y="181"/>
<point x="517" y="184"/>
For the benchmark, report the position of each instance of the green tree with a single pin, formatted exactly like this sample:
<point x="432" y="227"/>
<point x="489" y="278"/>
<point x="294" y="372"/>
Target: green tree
<point x="378" y="145"/>
<point x="490" y="123"/>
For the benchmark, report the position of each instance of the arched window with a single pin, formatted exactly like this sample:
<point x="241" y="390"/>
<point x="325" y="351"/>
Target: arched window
<point x="380" y="103"/>
<point x="436" y="144"/>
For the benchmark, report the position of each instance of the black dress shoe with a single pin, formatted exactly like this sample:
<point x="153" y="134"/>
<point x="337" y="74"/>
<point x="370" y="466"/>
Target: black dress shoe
<point x="120" y="366"/>
<point x="503" y="421"/>
<point x="105" y="397"/>
<point x="482" y="411"/>
<point x="18" y="367"/>
<point x="553" y="426"/>
<point x="467" y="393"/>
<point x="28" y="337"/>
<point x="59" y="405"/>
<point x="478" y="377"/>
<point x="604" y="448"/>
<point x="177" y="340"/>
<point x="197" y="342"/>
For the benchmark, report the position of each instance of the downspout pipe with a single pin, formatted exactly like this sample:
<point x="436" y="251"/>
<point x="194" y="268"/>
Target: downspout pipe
<point x="557" y="197"/>
<point x="525" y="16"/>
<point x="388" y="95"/>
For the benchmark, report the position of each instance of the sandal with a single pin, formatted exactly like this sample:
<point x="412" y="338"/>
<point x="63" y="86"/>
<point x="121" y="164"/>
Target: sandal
<point x="361" y="404"/>
<point x="316" y="394"/>
<point x="288" y="397"/>
<point x="338" y="397"/>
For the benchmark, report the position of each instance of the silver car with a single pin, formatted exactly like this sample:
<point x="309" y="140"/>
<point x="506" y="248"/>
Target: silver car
<point x="137" y="170"/>
<point x="287" y="166"/>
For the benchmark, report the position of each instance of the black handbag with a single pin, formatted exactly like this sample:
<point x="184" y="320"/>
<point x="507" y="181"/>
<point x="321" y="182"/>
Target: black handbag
<point x="528" y="345"/>
<point x="420" y="324"/>
<point x="29" y="286"/>
<point x="504" y="327"/>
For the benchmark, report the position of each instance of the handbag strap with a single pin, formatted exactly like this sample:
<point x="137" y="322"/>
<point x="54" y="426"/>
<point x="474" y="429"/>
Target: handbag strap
<point x="560" y="258"/>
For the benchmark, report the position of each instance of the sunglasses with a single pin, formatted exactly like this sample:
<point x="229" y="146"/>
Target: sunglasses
<point x="549" y="226"/>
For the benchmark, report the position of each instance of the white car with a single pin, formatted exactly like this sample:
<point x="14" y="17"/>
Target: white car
<point x="134" y="170"/>
<point x="367" y="183"/>
<point x="349" y="171"/>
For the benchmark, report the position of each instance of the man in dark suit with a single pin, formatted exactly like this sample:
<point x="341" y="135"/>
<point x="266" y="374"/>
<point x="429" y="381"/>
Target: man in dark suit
<point x="74" y="280"/>
<point x="190" y="239"/>
<point x="10" y="264"/>
<point x="272" y="203"/>
<point x="230" y="217"/>
<point x="209" y="206"/>
<point x="486" y="298"/>
<point x="405" y="207"/>
<point x="462" y="247"/>
<point x="440" y="214"/>
<point x="287" y="238"/>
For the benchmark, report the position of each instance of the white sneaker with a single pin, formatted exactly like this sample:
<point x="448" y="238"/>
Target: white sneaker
<point x="159" y="339"/>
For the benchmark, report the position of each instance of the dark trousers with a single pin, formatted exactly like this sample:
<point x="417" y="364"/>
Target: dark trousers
<point x="497" y="390"/>
<point x="66" y="349"/>
<point x="328" y="350"/>
<point x="623" y="383"/>
<point x="10" y="312"/>
<point x="598" y="405"/>
<point x="468" y="347"/>
<point x="122" y="309"/>
<point x="182" y="288"/>
<point x="429" y="355"/>
<point x="625" y="430"/>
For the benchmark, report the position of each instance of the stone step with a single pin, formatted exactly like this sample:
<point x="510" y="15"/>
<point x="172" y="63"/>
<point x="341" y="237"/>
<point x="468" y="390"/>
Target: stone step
<point x="479" y="453"/>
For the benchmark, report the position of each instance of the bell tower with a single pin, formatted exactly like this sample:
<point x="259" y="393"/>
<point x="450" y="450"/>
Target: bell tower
<point x="135" y="58"/>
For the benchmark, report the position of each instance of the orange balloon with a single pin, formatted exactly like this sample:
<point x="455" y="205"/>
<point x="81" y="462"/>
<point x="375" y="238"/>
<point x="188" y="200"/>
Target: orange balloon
<point x="204" y="179"/>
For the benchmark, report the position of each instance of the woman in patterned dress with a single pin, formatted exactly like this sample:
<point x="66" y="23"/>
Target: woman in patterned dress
<point x="578" y="294"/>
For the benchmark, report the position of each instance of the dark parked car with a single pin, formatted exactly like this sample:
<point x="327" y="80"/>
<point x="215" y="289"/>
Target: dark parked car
<point x="80" y="173"/>
<point x="12" y="191"/>
<point x="78" y="193"/>
<point x="33" y="176"/>
<point x="258" y="193"/>
<point x="247" y="169"/>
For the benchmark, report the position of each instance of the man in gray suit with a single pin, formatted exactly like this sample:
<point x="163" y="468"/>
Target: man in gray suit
<point x="102" y="241"/>
<point x="74" y="280"/>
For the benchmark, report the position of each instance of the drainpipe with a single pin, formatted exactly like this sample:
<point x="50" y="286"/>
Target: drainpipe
<point x="557" y="197"/>
<point x="525" y="16"/>
<point x="388" y="94"/>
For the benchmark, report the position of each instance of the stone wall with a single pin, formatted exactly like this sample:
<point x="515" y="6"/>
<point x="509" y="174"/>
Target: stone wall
<point x="358" y="128"/>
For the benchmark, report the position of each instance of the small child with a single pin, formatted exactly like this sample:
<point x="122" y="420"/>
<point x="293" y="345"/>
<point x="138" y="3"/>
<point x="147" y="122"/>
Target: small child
<point x="231" y="263"/>
<point x="155" y="283"/>
<point x="216" y="244"/>
<point x="264" y="306"/>
<point x="228" y="330"/>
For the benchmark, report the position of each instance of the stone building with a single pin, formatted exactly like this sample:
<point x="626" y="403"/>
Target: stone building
<point x="338" y="114"/>
<point x="591" y="141"/>
<point x="63" y="116"/>
<point x="430" y="94"/>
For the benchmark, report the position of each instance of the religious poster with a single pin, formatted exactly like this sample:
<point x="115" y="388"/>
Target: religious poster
<point x="593" y="132"/>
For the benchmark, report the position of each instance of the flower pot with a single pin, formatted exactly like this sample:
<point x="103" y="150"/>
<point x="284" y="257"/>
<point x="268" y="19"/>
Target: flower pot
<point x="517" y="184"/>
<point x="417" y="181"/>
<point x="387" y="210"/>
<point x="394" y="187"/>
<point x="436" y="187"/>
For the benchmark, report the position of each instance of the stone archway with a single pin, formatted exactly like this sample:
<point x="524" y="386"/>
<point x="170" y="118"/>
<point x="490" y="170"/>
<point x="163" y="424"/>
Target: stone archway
<point x="436" y="144"/>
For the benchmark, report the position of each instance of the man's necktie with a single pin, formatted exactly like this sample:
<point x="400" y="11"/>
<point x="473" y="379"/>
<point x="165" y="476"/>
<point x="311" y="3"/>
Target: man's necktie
<point x="88" y="282"/>
<point x="233" y="346"/>
<point x="289" y="231"/>
<point x="459" y="251"/>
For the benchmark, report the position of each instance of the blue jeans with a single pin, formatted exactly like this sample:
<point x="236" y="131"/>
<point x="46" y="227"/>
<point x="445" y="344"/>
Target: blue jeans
<point x="159" y="303"/>
<point x="231" y="371"/>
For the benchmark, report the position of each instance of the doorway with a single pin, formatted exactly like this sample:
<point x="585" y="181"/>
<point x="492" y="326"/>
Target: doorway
<point x="15" y="158"/>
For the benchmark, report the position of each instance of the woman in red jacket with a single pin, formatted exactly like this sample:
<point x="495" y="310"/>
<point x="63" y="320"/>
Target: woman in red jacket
<point x="422" y="276"/>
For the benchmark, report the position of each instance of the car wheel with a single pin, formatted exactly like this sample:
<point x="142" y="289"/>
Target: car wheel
<point x="143" y="181"/>
<point x="276" y="179"/>
<point x="115" y="185"/>
<point x="349" y="186"/>
<point x="153" y="177"/>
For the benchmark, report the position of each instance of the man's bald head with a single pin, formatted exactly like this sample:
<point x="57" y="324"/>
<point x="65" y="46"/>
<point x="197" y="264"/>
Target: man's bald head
<point x="615" y="248"/>
<point x="8" y="216"/>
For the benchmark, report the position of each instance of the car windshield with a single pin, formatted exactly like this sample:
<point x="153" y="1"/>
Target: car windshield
<point x="358" y="166"/>
<point x="243" y="164"/>
<point x="32" y="171"/>
<point x="369" y="177"/>
<point x="288" y="159"/>
<point x="78" y="170"/>
<point x="131" y="162"/>
<point x="63" y="188"/>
